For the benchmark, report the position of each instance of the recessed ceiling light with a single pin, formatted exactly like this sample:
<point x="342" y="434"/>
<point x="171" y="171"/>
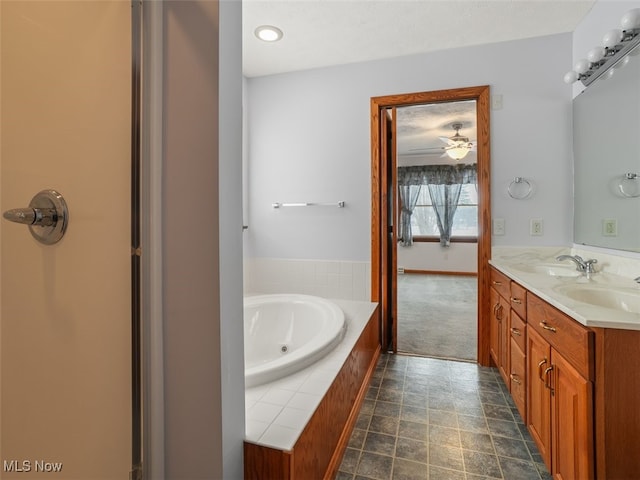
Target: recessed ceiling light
<point x="268" y="33"/>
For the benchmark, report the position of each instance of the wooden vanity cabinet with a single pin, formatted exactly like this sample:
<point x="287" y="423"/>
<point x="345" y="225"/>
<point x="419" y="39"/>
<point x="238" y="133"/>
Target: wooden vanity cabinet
<point x="508" y="334"/>
<point x="518" y="364"/>
<point x="499" y="343"/>
<point x="560" y="390"/>
<point x="581" y="385"/>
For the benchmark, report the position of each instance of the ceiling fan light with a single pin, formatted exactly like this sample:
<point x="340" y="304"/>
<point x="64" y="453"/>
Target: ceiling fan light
<point x="458" y="152"/>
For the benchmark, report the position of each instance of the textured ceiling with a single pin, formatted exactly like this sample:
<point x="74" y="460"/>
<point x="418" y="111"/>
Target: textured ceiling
<point x="419" y="128"/>
<point x="319" y="33"/>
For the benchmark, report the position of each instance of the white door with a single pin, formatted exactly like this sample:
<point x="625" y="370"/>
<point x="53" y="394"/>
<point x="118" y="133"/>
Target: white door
<point x="65" y="323"/>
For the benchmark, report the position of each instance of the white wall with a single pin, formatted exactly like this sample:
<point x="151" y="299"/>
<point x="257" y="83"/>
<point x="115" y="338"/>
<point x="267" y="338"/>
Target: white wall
<point x="430" y="256"/>
<point x="202" y="240"/>
<point x="230" y="200"/>
<point x="309" y="140"/>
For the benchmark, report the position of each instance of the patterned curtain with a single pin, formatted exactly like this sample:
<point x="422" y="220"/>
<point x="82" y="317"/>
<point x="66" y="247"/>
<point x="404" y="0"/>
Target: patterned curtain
<point x="437" y="174"/>
<point x="444" y="183"/>
<point x="445" y="203"/>
<point x="408" y="198"/>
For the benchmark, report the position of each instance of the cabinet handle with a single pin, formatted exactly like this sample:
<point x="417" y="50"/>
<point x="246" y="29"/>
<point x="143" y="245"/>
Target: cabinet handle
<point x="516" y="300"/>
<point x="499" y="312"/>
<point x="495" y="282"/>
<point x="544" y="325"/>
<point x="516" y="332"/>
<point x="540" y="369"/>
<point x="547" y="376"/>
<point x="514" y="378"/>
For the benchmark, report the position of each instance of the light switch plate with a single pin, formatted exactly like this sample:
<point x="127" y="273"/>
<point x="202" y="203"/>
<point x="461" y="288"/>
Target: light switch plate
<point x="610" y="227"/>
<point x="498" y="226"/>
<point x="536" y="227"/>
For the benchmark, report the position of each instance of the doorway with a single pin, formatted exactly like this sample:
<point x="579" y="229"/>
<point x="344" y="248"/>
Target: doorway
<point x="386" y="224"/>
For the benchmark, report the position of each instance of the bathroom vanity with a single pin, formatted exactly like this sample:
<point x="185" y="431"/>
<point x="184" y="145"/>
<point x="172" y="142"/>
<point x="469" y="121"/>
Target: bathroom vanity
<point x="572" y="367"/>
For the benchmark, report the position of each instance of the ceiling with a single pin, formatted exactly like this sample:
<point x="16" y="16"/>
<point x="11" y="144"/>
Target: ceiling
<point x="419" y="128"/>
<point x="321" y="33"/>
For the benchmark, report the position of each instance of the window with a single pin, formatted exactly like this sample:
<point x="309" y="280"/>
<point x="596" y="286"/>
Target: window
<point x="465" y="220"/>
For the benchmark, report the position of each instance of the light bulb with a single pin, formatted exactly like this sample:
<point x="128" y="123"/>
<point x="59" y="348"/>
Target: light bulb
<point x="570" y="77"/>
<point x="631" y="19"/>
<point x="268" y="33"/>
<point x="581" y="65"/>
<point x="596" y="54"/>
<point x="612" y="38"/>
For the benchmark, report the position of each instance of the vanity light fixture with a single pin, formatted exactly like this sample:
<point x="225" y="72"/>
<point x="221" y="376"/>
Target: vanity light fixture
<point x="616" y="44"/>
<point x="268" y="33"/>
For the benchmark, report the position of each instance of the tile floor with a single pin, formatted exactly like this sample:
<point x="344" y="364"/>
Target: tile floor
<point x="425" y="418"/>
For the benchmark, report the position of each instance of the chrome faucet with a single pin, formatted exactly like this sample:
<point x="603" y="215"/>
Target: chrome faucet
<point x="584" y="266"/>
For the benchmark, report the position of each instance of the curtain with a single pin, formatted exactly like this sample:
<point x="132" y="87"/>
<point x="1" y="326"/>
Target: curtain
<point x="444" y="183"/>
<point x="408" y="198"/>
<point x="437" y="174"/>
<point x="445" y="203"/>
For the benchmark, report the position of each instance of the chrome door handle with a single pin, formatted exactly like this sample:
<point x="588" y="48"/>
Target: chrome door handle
<point x="32" y="216"/>
<point x="47" y="216"/>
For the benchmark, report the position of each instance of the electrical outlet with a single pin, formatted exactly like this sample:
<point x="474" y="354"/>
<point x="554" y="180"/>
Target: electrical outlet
<point x="400" y="270"/>
<point x="535" y="227"/>
<point x="610" y="227"/>
<point x="498" y="226"/>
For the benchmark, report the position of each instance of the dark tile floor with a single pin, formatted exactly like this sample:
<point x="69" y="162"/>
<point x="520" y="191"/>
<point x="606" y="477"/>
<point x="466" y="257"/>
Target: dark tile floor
<point x="425" y="418"/>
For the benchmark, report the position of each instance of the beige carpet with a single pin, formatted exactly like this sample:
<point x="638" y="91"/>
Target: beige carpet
<point x="437" y="316"/>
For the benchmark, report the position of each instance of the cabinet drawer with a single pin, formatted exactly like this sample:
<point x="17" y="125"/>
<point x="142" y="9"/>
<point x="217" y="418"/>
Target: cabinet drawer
<point x="501" y="283"/>
<point x="568" y="337"/>
<point x="518" y="331"/>
<point x="518" y="299"/>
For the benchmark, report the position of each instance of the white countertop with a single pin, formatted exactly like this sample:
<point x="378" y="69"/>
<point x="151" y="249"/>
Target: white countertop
<point x="510" y="261"/>
<point x="277" y="412"/>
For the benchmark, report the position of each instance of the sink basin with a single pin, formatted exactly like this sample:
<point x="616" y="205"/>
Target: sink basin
<point x="552" y="269"/>
<point x="616" y="298"/>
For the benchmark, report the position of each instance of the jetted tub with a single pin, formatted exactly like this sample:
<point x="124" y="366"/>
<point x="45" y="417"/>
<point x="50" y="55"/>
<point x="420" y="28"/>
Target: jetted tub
<point x="284" y="333"/>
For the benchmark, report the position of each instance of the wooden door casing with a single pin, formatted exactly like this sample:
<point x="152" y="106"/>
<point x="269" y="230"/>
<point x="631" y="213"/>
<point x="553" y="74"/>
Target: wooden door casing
<point x="378" y="105"/>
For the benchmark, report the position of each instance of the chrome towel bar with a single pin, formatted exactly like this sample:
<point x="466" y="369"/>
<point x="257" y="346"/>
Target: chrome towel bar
<point x="308" y="204"/>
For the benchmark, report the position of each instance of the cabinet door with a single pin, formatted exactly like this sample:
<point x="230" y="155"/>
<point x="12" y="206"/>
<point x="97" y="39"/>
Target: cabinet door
<point x="494" y="342"/>
<point x="499" y="342"/>
<point x="518" y="377"/>
<point x="538" y="395"/>
<point x="572" y="423"/>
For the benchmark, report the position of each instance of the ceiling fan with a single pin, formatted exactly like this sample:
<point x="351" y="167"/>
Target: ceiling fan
<point x="458" y="146"/>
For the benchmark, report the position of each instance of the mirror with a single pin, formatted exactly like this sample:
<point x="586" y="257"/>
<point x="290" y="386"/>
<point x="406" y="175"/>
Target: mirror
<point x="606" y="149"/>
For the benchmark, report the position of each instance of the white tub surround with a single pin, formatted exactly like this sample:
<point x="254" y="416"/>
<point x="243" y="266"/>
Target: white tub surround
<point x="277" y="412"/>
<point x="612" y="272"/>
<point x="285" y="333"/>
<point x="348" y="280"/>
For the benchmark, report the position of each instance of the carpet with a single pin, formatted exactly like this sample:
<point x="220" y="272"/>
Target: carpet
<point x="437" y="316"/>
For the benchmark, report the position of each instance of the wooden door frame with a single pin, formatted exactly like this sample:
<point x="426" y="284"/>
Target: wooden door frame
<point x="481" y="94"/>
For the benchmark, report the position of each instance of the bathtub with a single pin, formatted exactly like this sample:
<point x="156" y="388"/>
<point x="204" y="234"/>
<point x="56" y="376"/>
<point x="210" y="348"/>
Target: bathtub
<point x="284" y="333"/>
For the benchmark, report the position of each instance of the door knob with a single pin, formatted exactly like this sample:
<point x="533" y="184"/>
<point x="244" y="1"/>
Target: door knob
<point x="47" y="216"/>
